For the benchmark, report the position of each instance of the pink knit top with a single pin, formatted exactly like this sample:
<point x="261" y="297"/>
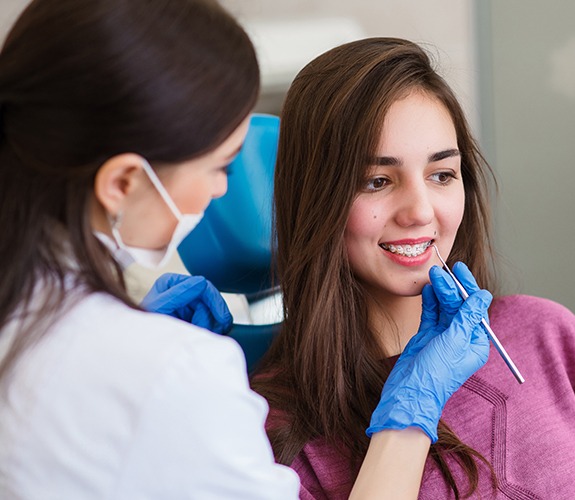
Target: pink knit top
<point x="527" y="432"/>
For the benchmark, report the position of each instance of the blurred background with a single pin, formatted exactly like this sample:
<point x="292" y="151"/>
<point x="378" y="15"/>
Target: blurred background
<point x="512" y="64"/>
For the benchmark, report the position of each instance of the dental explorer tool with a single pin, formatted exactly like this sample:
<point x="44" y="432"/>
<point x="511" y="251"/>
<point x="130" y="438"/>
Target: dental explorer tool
<point x="488" y="329"/>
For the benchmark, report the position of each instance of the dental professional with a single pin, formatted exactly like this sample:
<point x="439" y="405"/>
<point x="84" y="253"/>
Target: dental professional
<point x="118" y="119"/>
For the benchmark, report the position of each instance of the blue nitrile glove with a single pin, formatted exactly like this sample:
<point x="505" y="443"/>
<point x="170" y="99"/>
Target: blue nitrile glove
<point x="449" y="347"/>
<point x="190" y="298"/>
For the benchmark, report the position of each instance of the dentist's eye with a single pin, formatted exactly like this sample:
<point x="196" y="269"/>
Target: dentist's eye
<point x="443" y="178"/>
<point x="376" y="184"/>
<point x="226" y="169"/>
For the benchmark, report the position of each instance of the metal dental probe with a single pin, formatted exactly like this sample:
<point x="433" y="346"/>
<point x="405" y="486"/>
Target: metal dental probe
<point x="488" y="329"/>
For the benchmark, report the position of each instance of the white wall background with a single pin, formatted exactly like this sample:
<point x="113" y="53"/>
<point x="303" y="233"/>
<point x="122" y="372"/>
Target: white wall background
<point x="512" y="63"/>
<point x="446" y="27"/>
<point x="9" y="9"/>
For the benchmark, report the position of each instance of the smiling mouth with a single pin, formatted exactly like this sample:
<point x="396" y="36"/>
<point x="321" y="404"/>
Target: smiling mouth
<point x="407" y="250"/>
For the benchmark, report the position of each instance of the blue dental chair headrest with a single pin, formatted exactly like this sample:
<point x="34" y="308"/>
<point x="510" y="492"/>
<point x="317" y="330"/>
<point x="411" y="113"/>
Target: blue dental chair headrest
<point x="231" y="246"/>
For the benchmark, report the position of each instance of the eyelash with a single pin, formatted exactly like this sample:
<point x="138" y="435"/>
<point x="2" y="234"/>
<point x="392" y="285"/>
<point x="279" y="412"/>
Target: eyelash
<point x="450" y="177"/>
<point x="227" y="169"/>
<point x="370" y="188"/>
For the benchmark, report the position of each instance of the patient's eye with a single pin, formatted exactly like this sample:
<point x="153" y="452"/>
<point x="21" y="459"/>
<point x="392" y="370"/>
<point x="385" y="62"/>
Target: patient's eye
<point x="443" y="178"/>
<point x="376" y="184"/>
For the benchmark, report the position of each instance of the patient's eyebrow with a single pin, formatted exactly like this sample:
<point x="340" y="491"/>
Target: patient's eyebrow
<point x="392" y="161"/>
<point x="441" y="155"/>
<point x="387" y="161"/>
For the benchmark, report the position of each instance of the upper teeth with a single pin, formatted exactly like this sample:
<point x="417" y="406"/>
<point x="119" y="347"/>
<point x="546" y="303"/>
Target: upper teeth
<point x="407" y="250"/>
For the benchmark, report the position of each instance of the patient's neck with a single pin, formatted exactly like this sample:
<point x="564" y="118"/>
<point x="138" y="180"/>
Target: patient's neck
<point x="395" y="321"/>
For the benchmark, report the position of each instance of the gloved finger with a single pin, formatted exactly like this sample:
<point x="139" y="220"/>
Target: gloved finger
<point x="217" y="305"/>
<point x="203" y="317"/>
<point x="463" y="329"/>
<point x="447" y="294"/>
<point x="479" y="336"/>
<point x="465" y="277"/>
<point x="479" y="339"/>
<point x="429" y="319"/>
<point x="462" y="348"/>
<point x="226" y="326"/>
<point x="416" y="344"/>
<point x="211" y="307"/>
<point x="429" y="308"/>
<point x="200" y="316"/>
<point x="173" y="292"/>
<point x="169" y="280"/>
<point x="479" y="344"/>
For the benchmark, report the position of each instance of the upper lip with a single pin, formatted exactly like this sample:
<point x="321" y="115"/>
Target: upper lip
<point x="407" y="241"/>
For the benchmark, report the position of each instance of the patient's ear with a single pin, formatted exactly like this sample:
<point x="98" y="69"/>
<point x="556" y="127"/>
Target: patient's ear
<point x="116" y="179"/>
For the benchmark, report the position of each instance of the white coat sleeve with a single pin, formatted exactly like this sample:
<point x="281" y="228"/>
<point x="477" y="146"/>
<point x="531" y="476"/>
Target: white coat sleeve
<point x="201" y="432"/>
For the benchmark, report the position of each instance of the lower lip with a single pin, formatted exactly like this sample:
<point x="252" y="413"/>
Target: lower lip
<point x="402" y="260"/>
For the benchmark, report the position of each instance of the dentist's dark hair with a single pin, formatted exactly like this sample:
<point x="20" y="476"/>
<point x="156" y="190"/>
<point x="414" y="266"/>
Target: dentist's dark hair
<point x="80" y="82"/>
<point x="326" y="369"/>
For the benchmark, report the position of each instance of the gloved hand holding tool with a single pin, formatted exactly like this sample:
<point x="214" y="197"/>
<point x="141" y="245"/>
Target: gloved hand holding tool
<point x="449" y="347"/>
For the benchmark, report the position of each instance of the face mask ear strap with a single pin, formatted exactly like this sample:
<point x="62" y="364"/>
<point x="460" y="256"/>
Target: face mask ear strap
<point x="115" y="223"/>
<point x="161" y="189"/>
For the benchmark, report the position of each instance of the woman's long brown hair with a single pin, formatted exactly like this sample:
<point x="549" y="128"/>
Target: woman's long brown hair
<point x="324" y="372"/>
<point x="80" y="82"/>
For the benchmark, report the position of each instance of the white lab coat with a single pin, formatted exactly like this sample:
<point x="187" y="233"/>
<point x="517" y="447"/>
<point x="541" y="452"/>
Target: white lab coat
<point x="115" y="403"/>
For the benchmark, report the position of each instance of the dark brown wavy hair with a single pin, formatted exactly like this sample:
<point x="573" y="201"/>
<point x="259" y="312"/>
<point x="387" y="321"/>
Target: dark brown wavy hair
<point x="80" y="82"/>
<point x="326" y="362"/>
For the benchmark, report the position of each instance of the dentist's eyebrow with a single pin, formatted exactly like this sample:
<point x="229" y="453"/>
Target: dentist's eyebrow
<point x="392" y="161"/>
<point x="234" y="153"/>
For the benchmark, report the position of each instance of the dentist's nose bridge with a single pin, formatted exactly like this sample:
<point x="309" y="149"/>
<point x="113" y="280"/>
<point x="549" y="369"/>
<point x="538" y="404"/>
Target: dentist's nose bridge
<point x="413" y="204"/>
